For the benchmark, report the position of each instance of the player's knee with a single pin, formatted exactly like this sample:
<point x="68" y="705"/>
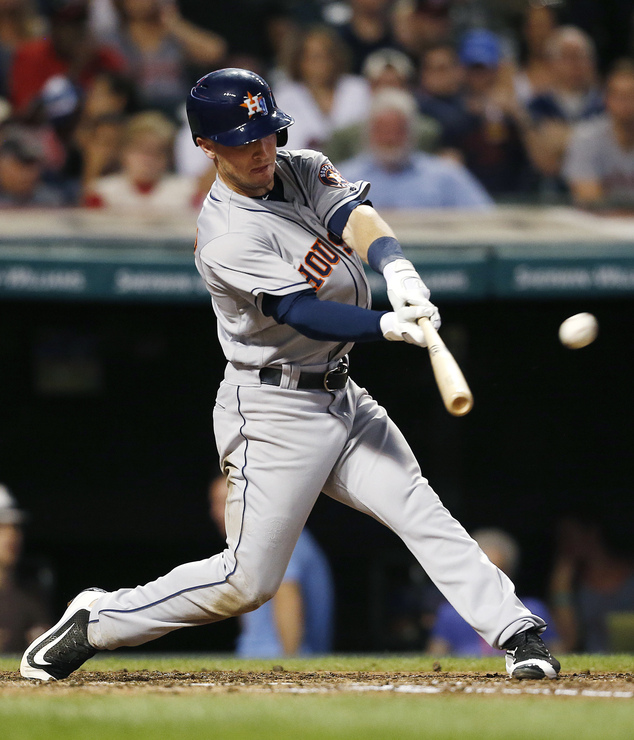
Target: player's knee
<point x="254" y="602"/>
<point x="247" y="589"/>
<point x="253" y="596"/>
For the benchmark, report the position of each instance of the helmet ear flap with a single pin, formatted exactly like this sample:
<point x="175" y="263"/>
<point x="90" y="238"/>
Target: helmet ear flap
<point x="282" y="137"/>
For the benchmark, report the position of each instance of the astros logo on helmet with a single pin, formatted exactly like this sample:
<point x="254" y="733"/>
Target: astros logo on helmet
<point x="254" y="104"/>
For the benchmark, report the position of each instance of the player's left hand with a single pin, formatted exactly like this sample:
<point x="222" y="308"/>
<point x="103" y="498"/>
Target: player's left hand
<point x="401" y="325"/>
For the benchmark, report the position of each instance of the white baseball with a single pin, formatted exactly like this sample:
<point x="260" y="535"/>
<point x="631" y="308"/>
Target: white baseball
<point x="578" y="331"/>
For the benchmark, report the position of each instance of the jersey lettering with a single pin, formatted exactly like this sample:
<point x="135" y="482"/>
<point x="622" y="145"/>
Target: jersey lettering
<point x="318" y="263"/>
<point x="328" y="253"/>
<point x="310" y="278"/>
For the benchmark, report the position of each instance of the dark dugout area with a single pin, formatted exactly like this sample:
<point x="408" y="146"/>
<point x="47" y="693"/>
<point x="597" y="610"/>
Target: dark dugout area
<point x="106" y="439"/>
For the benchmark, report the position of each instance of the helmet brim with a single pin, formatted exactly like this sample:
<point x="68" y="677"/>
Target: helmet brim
<point x="254" y="130"/>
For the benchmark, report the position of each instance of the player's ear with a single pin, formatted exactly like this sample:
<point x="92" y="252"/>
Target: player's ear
<point x="207" y="145"/>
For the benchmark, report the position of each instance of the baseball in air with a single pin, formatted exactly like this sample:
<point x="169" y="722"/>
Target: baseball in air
<point x="578" y="331"/>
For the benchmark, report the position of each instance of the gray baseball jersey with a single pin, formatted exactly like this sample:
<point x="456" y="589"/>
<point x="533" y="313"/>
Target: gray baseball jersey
<point x="247" y="247"/>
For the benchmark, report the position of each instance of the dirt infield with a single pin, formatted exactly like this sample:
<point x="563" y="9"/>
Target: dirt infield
<point x="278" y="680"/>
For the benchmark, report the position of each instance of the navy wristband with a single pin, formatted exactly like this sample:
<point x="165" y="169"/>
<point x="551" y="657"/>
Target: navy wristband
<point x="382" y="251"/>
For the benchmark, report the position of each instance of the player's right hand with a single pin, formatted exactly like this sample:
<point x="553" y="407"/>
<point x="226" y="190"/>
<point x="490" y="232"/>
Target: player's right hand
<point x="401" y="326"/>
<point x="404" y="285"/>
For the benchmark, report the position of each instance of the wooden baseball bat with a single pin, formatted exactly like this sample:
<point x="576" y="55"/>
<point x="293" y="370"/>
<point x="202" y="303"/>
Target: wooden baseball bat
<point x="451" y="383"/>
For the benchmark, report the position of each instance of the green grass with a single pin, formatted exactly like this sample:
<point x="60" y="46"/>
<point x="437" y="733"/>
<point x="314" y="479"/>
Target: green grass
<point x="31" y="714"/>
<point x="135" y="661"/>
<point x="235" y="717"/>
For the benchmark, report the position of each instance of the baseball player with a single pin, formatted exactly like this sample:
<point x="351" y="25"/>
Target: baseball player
<point x="280" y="245"/>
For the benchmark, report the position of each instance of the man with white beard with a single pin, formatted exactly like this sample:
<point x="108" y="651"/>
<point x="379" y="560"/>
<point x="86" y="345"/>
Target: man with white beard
<point x="402" y="177"/>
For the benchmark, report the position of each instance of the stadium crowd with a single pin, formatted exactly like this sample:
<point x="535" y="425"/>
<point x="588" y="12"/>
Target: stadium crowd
<point x="515" y="100"/>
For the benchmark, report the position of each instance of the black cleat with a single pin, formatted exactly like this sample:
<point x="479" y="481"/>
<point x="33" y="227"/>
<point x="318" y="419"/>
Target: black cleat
<point x="528" y="657"/>
<point x="61" y="650"/>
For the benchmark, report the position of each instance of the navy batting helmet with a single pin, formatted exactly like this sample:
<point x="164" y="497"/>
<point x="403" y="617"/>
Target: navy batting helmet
<point x="234" y="107"/>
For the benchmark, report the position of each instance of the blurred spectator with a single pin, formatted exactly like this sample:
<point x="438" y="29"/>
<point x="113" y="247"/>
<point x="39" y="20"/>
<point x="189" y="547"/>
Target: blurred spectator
<point x="110" y="93"/>
<point x="500" y="16"/>
<point x="321" y="95"/>
<point x="18" y="23"/>
<point x="55" y="115"/>
<point x="145" y="183"/>
<point x="383" y="69"/>
<point x="535" y="74"/>
<point x="419" y="24"/>
<point x="368" y="30"/>
<point x="67" y="50"/>
<point x="21" y="170"/>
<point x="96" y="148"/>
<point x="102" y="16"/>
<point x="299" y="618"/>
<point x="158" y="44"/>
<point x="599" y="162"/>
<point x="451" y="635"/>
<point x="491" y="144"/>
<point x="610" y="23"/>
<point x="99" y="142"/>
<point x="255" y="31"/>
<point x="573" y="96"/>
<point x="388" y="68"/>
<point x="190" y="160"/>
<point x="23" y="611"/>
<point x="441" y="93"/>
<point x="402" y="177"/>
<point x="592" y="581"/>
<point x="64" y="118"/>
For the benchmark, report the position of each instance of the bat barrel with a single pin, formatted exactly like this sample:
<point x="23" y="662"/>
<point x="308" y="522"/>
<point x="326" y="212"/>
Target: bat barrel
<point x="455" y="392"/>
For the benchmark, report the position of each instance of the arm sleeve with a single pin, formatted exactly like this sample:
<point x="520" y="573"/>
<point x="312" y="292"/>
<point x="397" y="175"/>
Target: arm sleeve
<point x="324" y="320"/>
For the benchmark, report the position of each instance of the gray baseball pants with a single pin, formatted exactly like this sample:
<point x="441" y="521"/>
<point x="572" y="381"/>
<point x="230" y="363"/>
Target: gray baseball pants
<point x="281" y="447"/>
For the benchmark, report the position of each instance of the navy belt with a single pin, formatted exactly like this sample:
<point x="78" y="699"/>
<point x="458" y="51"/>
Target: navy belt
<point x="333" y="380"/>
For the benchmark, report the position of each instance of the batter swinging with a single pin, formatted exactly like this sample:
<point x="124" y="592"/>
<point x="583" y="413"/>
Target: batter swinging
<point x="281" y="239"/>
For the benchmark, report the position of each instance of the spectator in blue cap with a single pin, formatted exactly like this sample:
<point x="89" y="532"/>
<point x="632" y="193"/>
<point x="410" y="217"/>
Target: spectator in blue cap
<point x="480" y="48"/>
<point x="491" y="143"/>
